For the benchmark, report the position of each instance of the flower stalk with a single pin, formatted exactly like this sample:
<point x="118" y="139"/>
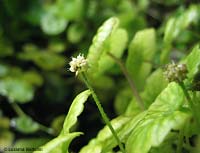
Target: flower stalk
<point x="79" y="66"/>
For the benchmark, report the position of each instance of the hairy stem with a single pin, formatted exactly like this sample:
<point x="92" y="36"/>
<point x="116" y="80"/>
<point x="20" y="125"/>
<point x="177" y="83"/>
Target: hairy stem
<point x="102" y="112"/>
<point x="130" y="81"/>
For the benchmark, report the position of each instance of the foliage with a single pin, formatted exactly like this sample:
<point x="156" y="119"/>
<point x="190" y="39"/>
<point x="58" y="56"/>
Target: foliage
<point x="126" y="44"/>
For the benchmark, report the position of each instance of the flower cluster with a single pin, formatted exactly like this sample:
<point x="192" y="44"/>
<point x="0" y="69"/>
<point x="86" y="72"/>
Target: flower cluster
<point x="175" y="72"/>
<point x="78" y="64"/>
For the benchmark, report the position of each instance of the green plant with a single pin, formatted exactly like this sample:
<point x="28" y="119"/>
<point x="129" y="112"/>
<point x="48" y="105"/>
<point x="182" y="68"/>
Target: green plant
<point x="124" y="69"/>
<point x="166" y="117"/>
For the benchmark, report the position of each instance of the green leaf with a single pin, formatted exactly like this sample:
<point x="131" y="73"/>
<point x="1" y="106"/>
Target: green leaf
<point x="117" y="44"/>
<point x="155" y="81"/>
<point x="70" y="9"/>
<point x="52" y="23"/>
<point x="33" y="78"/>
<point x="16" y="90"/>
<point x="141" y="50"/>
<point x="99" y="44"/>
<point x="162" y="116"/>
<point x="175" y="25"/>
<point x="44" y="59"/>
<point x="193" y="62"/>
<point x="104" y="141"/>
<point x="6" y="138"/>
<point x="29" y="145"/>
<point x="25" y="124"/>
<point x="53" y="146"/>
<point x="75" y="110"/>
<point x="122" y="100"/>
<point x="75" y="32"/>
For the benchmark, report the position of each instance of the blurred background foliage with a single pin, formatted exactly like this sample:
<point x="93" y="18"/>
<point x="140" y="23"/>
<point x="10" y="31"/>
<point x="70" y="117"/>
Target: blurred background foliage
<point x="37" y="40"/>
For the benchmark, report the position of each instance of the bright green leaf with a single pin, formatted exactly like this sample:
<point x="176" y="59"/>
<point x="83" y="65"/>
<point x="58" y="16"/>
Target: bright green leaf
<point x="117" y="44"/>
<point x="104" y="141"/>
<point x="193" y="62"/>
<point x="162" y="116"/>
<point x="99" y="43"/>
<point x="155" y="81"/>
<point x="53" y="146"/>
<point x="75" y="110"/>
<point x="141" y="51"/>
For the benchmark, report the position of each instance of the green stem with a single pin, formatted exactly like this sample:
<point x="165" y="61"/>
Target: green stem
<point x="103" y="114"/>
<point x="46" y="129"/>
<point x="17" y="109"/>
<point x="130" y="81"/>
<point x="190" y="102"/>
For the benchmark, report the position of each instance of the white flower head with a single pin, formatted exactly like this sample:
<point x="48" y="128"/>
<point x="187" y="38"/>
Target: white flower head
<point x="78" y="64"/>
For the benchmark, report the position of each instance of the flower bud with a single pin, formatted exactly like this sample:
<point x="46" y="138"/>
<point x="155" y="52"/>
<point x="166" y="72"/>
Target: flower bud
<point x="175" y="72"/>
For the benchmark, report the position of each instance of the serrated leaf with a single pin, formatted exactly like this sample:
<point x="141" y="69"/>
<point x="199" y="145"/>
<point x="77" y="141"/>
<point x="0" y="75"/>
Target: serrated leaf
<point x="75" y="110"/>
<point x="142" y="49"/>
<point x="53" y="145"/>
<point x="16" y="90"/>
<point x="25" y="124"/>
<point x="99" y="44"/>
<point x="162" y="116"/>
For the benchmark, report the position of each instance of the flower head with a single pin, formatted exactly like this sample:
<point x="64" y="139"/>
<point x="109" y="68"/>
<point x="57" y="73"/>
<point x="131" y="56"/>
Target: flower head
<point x="78" y="64"/>
<point x="175" y="72"/>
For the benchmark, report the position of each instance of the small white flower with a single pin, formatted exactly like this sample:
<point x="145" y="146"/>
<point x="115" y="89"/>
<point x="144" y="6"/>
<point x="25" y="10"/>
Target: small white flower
<point x="78" y="64"/>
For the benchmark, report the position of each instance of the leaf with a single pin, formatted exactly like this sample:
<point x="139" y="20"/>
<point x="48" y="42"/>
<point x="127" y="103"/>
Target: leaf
<point x="71" y="9"/>
<point x="33" y="78"/>
<point x="53" y="145"/>
<point x="75" y="110"/>
<point x="155" y="81"/>
<point x="116" y="47"/>
<point x="162" y="116"/>
<point x="104" y="141"/>
<point x="122" y="100"/>
<point x="193" y="62"/>
<point x="52" y="23"/>
<point x="175" y="25"/>
<point x="99" y="44"/>
<point x="142" y="49"/>
<point x="6" y="138"/>
<point x="75" y="32"/>
<point x="44" y="59"/>
<point x="16" y="90"/>
<point x="29" y="145"/>
<point x="25" y="124"/>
